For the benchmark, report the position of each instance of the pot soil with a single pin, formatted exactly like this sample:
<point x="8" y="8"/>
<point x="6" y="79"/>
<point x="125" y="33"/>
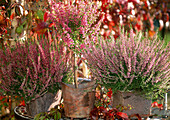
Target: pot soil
<point x="78" y="102"/>
<point x="40" y="104"/>
<point x="139" y="104"/>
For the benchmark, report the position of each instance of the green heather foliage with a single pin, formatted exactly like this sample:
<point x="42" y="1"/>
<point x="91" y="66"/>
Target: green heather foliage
<point x="132" y="62"/>
<point x="31" y="69"/>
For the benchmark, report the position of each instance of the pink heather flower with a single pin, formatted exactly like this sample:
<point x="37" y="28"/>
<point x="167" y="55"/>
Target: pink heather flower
<point x="75" y="19"/>
<point x="130" y="62"/>
<point x="82" y="31"/>
<point x="82" y="46"/>
<point x="84" y="20"/>
<point x="30" y="69"/>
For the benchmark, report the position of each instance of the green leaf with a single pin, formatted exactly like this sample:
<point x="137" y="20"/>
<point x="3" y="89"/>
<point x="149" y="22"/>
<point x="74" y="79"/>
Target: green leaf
<point x="55" y="116"/>
<point x="40" y="14"/>
<point x="37" y="116"/>
<point x="3" y="99"/>
<point x="24" y="23"/>
<point x="13" y="118"/>
<point x="58" y="115"/>
<point x="0" y="108"/>
<point x="5" y="104"/>
<point x="42" y="118"/>
<point x="19" y="29"/>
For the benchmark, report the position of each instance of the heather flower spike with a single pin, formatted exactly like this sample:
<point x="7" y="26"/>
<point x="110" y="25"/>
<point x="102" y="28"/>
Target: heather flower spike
<point x="31" y="69"/>
<point x="132" y="62"/>
<point x="74" y="25"/>
<point x="75" y="22"/>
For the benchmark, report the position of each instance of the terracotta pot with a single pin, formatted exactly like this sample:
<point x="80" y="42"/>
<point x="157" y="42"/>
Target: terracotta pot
<point x="140" y="104"/>
<point x="19" y="116"/>
<point x="40" y="104"/>
<point x="78" y="102"/>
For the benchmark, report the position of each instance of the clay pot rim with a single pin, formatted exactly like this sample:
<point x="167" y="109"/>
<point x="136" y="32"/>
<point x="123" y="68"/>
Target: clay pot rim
<point x="84" y="85"/>
<point x="25" y="117"/>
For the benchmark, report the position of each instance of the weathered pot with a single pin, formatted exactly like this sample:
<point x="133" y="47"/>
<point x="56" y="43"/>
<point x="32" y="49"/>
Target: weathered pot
<point x="140" y="104"/>
<point x="19" y="116"/>
<point x="78" y="102"/>
<point x="40" y="104"/>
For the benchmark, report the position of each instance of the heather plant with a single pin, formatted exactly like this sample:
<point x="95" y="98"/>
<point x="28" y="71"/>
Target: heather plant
<point x="74" y="22"/>
<point x="75" y="25"/>
<point x="33" y="68"/>
<point x="131" y="63"/>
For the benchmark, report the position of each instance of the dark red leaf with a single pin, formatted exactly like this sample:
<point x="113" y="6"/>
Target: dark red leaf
<point x="102" y="109"/>
<point x="5" y="31"/>
<point x="12" y="16"/>
<point x="146" y="4"/>
<point x="154" y="104"/>
<point x="136" y="115"/>
<point x="3" y="7"/>
<point x="106" y="34"/>
<point x="160" y="106"/>
<point x="111" y="24"/>
<point x="121" y="114"/>
<point x="109" y="94"/>
<point x="45" y="16"/>
<point x="94" y="114"/>
<point x="145" y="17"/>
<point x="104" y="2"/>
<point x="51" y="24"/>
<point x="41" y="28"/>
<point x="22" y="103"/>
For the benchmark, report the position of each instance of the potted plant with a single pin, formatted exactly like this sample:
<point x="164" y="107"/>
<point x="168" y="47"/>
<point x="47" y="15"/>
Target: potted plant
<point x="131" y="64"/>
<point x="74" y="23"/>
<point x="33" y="70"/>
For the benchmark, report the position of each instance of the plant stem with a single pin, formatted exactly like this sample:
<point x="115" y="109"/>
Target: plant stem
<point x="75" y="71"/>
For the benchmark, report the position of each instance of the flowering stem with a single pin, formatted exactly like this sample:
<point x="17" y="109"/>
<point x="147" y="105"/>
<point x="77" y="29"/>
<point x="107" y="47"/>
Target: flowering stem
<point x="75" y="71"/>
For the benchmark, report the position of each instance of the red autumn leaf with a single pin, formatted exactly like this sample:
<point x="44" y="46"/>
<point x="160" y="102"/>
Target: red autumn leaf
<point x="160" y="106"/>
<point x="105" y="21"/>
<point x="1" y="97"/>
<point x="145" y="17"/>
<point x="101" y="16"/>
<point x="121" y="114"/>
<point x="12" y="16"/>
<point x="2" y="22"/>
<point x="45" y="16"/>
<point x="146" y="4"/>
<point x="5" y="31"/>
<point x="3" y="7"/>
<point x="111" y="24"/>
<point x="102" y="109"/>
<point x="151" y="33"/>
<point x="106" y="33"/>
<point x="41" y="28"/>
<point x="154" y="104"/>
<point x="136" y="115"/>
<point x="22" y="103"/>
<point x="138" y="26"/>
<point x="167" y="17"/>
<point x="94" y="114"/>
<point x="122" y="12"/>
<point x="51" y="24"/>
<point x="109" y="94"/>
<point x="104" y="2"/>
<point x="116" y="36"/>
<point x="104" y="7"/>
